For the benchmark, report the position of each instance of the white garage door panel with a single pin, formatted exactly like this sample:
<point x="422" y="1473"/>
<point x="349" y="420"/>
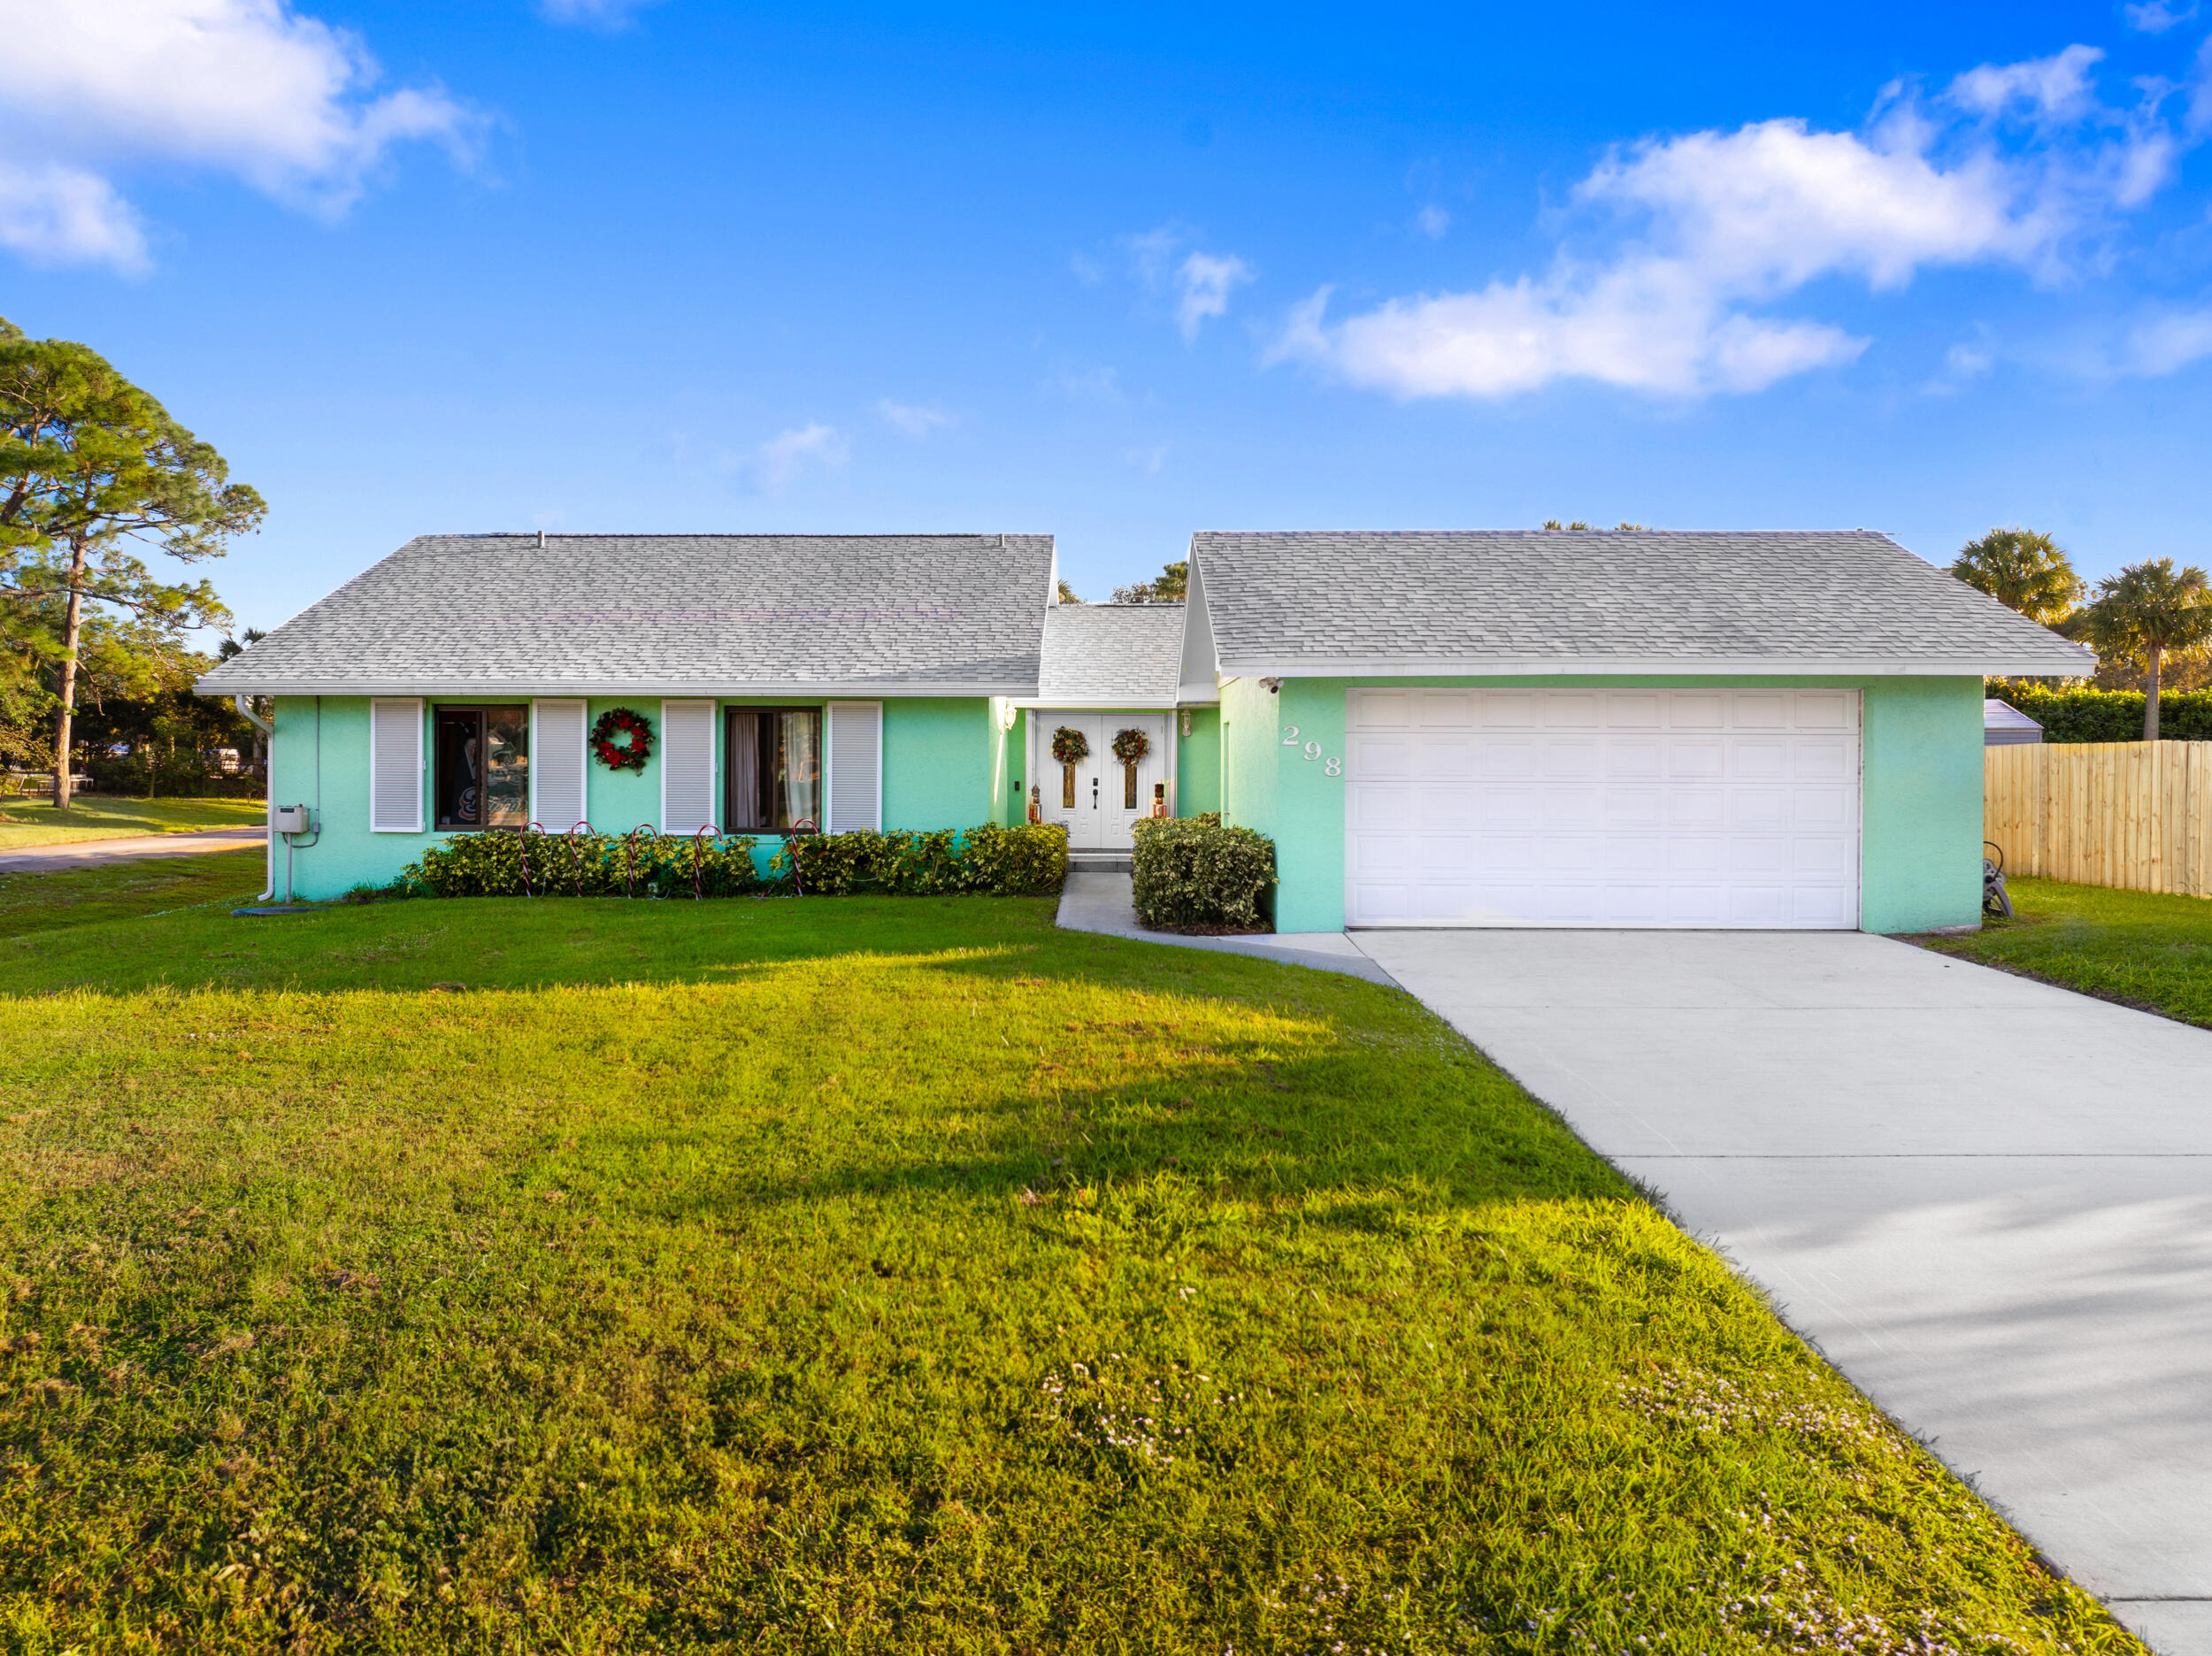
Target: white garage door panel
<point x="1628" y="808"/>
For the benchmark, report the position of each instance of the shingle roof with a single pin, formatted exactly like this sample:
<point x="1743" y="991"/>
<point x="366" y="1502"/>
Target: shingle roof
<point x="671" y="614"/>
<point x="1112" y="655"/>
<point x="1650" y="601"/>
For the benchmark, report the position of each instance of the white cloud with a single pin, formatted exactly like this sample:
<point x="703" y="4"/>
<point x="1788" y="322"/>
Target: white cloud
<point x="2170" y="343"/>
<point x="1721" y="225"/>
<point x="778" y="461"/>
<point x="1205" y="280"/>
<point x="249" y="87"/>
<point x="2057" y="87"/>
<point x="1432" y="221"/>
<point x="600" y="14"/>
<point x="1201" y="282"/>
<point x="59" y="215"/>
<point x="2155" y="16"/>
<point x="915" y="420"/>
<point x="1147" y="460"/>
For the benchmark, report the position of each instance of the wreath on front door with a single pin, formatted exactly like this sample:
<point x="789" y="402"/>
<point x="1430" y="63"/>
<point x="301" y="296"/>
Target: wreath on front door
<point x="1070" y="745"/>
<point x="628" y="754"/>
<point x="1131" y="746"/>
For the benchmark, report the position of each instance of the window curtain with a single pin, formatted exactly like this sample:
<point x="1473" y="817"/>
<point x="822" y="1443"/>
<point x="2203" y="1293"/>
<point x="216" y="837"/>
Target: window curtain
<point x="798" y="778"/>
<point x="742" y="766"/>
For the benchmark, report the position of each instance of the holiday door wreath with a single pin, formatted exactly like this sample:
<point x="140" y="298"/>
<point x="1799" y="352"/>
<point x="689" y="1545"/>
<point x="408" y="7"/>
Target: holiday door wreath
<point x="630" y="756"/>
<point x="1070" y="745"/>
<point x="1131" y="746"/>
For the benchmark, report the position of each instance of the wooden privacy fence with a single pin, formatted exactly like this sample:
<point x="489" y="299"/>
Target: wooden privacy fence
<point x="2133" y="814"/>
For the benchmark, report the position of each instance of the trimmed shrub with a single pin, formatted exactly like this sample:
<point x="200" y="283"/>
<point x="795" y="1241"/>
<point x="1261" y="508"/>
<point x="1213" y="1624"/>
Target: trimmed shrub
<point x="1190" y="871"/>
<point x="1028" y="860"/>
<point x="495" y="864"/>
<point x="2107" y="715"/>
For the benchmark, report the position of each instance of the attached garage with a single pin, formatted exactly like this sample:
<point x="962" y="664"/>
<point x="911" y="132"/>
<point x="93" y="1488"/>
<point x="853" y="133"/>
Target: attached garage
<point x="1602" y="807"/>
<point x="1654" y="728"/>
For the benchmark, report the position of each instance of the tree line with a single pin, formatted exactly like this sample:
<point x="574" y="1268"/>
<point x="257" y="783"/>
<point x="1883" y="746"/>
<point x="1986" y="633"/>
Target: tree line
<point x="95" y="650"/>
<point x="2143" y="620"/>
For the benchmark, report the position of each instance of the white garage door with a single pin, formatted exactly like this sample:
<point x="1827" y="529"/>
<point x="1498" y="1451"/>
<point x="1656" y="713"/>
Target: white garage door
<point x="1602" y="807"/>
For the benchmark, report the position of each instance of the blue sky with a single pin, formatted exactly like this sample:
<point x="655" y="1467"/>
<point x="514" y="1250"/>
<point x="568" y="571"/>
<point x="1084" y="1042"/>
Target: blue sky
<point x="1120" y="275"/>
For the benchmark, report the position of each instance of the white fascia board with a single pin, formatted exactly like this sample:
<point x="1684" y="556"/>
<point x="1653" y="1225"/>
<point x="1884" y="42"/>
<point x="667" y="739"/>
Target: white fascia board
<point x="1667" y="666"/>
<point x="1100" y="704"/>
<point x="480" y="692"/>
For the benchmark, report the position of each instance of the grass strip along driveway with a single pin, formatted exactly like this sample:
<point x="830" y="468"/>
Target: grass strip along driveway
<point x="882" y="1276"/>
<point x="2141" y="948"/>
<point x="25" y="823"/>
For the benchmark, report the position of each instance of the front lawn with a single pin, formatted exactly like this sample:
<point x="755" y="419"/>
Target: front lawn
<point x="878" y="1275"/>
<point x="25" y="823"/>
<point x="2141" y="948"/>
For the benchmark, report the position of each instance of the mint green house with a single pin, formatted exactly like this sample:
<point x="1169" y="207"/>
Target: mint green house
<point x="1552" y="728"/>
<point x="1501" y="728"/>
<point x="829" y="682"/>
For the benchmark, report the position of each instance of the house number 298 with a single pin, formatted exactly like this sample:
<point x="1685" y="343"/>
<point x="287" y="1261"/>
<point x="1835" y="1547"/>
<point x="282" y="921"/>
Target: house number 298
<point x="1312" y="751"/>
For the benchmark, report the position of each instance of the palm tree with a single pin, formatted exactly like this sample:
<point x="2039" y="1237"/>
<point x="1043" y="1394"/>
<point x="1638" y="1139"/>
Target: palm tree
<point x="2147" y="612"/>
<point x="2023" y="570"/>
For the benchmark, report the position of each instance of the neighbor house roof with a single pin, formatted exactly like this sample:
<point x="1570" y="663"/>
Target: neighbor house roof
<point x="1519" y="602"/>
<point x="674" y="615"/>
<point x="1111" y="654"/>
<point x="2003" y="724"/>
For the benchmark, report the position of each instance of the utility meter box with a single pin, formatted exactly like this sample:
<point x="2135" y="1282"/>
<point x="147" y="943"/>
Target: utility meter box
<point x="291" y="819"/>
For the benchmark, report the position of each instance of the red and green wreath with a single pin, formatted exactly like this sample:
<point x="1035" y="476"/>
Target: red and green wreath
<point x="1131" y="746"/>
<point x="626" y="755"/>
<point x="1070" y="745"/>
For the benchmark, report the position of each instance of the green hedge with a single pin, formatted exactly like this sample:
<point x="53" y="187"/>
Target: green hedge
<point x="1028" y="861"/>
<point x="2108" y="716"/>
<point x="493" y="865"/>
<point x="1192" y="871"/>
<point x="1007" y="862"/>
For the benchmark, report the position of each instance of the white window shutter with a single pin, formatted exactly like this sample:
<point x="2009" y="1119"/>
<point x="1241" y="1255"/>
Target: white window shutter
<point x="557" y="766"/>
<point x="395" y="766"/>
<point x="855" y="762"/>
<point x="686" y="756"/>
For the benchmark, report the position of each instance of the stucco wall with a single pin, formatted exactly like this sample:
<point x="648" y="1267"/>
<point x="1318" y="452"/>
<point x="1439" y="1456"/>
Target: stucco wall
<point x="937" y="761"/>
<point x="1921" y="789"/>
<point x="938" y="756"/>
<point x="1198" y="763"/>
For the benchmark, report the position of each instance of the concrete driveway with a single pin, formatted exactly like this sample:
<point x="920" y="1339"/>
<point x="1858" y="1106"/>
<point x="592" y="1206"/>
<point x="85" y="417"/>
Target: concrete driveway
<point x="1988" y="1202"/>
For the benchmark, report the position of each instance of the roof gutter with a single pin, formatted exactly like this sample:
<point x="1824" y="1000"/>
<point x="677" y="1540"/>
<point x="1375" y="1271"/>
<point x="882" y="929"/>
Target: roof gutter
<point x="1653" y="667"/>
<point x="480" y="692"/>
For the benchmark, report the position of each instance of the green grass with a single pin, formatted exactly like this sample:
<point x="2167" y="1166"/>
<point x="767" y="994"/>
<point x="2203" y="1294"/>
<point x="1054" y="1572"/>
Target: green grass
<point x="2140" y="947"/>
<point x="877" y="1276"/>
<point x="48" y="902"/>
<point x="25" y="823"/>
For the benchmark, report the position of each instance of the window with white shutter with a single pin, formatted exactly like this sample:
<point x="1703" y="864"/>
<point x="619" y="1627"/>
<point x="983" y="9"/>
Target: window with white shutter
<point x="686" y="759"/>
<point x="557" y="766"/>
<point x="395" y="766"/>
<point x="855" y="763"/>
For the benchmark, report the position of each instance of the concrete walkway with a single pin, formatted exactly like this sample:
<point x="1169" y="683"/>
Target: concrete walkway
<point x="1988" y="1202"/>
<point x="90" y="852"/>
<point x="1101" y="903"/>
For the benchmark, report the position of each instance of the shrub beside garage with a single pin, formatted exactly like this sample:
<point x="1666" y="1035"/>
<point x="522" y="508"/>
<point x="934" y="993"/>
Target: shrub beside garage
<point x="1193" y="874"/>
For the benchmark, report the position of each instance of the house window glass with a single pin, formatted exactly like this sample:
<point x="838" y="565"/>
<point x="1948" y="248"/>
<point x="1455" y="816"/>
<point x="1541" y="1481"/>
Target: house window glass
<point x="482" y="760"/>
<point x="773" y="760"/>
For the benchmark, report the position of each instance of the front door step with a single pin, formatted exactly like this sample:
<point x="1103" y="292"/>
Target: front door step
<point x="1083" y="862"/>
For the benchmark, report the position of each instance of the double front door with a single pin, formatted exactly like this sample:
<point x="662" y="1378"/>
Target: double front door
<point x="1098" y="797"/>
